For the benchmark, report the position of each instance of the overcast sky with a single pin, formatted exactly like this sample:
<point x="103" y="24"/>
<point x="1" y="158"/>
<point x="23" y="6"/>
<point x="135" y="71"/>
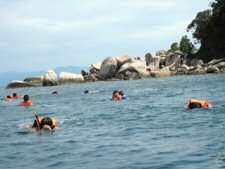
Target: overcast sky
<point x="43" y="34"/>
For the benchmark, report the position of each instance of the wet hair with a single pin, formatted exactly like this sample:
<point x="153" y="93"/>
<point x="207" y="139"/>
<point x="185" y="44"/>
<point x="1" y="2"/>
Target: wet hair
<point x="44" y="121"/>
<point x="115" y="91"/>
<point x="25" y="98"/>
<point x="9" y="97"/>
<point x="86" y="91"/>
<point x="14" y="94"/>
<point x="194" y="105"/>
<point x="55" y="92"/>
<point x="121" y="93"/>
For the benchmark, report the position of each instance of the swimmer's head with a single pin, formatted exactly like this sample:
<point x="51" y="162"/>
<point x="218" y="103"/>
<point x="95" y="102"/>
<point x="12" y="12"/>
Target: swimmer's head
<point x="25" y="98"/>
<point x="121" y="93"/>
<point x="194" y="105"/>
<point x="86" y="91"/>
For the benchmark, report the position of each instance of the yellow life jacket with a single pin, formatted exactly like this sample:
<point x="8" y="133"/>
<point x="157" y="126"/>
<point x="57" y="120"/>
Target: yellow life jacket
<point x="54" y="122"/>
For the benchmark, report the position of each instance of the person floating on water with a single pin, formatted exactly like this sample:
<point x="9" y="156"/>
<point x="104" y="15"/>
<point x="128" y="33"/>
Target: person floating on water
<point x="26" y="101"/>
<point x="122" y="94"/>
<point x="194" y="103"/>
<point x="15" y="96"/>
<point x="8" y="98"/>
<point x="88" y="91"/>
<point x="55" y="92"/>
<point x="118" y="95"/>
<point x="11" y="98"/>
<point x="44" y="123"/>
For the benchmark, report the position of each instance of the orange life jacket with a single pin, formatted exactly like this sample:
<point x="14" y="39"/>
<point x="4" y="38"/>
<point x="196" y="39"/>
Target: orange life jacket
<point x="26" y="104"/>
<point x="54" y="122"/>
<point x="203" y="103"/>
<point x="8" y="99"/>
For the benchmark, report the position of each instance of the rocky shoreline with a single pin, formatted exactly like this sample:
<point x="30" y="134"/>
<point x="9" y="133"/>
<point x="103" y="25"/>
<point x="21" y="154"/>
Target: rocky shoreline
<point x="124" y="67"/>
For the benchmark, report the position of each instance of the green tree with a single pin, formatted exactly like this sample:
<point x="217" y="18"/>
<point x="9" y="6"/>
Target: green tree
<point x="186" y="46"/>
<point x="209" y="29"/>
<point x="174" y="47"/>
<point x="200" y="25"/>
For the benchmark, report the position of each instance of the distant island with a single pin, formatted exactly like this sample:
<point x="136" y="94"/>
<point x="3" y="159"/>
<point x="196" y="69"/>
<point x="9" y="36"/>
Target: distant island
<point x="181" y="59"/>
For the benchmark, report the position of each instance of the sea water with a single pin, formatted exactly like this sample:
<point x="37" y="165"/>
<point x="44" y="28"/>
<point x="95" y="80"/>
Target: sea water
<point x="150" y="129"/>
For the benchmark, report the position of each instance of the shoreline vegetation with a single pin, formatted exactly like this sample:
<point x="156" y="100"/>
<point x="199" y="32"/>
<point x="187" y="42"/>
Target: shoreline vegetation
<point x="181" y="59"/>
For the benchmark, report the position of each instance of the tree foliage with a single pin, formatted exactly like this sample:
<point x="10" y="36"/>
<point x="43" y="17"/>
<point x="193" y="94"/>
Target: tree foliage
<point x="185" y="46"/>
<point x="174" y="46"/>
<point x="209" y="30"/>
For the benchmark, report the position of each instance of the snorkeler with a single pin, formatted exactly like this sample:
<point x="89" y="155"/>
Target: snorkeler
<point x="194" y="103"/>
<point x="44" y="123"/>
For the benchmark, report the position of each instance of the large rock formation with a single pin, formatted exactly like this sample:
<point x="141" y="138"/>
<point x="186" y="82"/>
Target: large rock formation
<point x="212" y="69"/>
<point x="161" y="53"/>
<point x="108" y="68"/>
<point x="69" y="78"/>
<point x="18" y="84"/>
<point x="135" y="66"/>
<point x="95" y="68"/>
<point x="123" y="59"/>
<point x="173" y="59"/>
<point x="50" y="78"/>
<point x="148" y="58"/>
<point x="36" y="81"/>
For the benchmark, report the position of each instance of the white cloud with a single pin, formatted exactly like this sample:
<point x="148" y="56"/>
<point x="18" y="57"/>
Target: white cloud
<point x="91" y="29"/>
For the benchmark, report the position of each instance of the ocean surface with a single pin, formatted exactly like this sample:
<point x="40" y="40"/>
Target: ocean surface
<point x="150" y="129"/>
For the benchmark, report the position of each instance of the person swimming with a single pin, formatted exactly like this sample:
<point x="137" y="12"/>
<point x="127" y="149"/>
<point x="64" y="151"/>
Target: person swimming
<point x="89" y="92"/>
<point x="122" y="94"/>
<point x="26" y="101"/>
<point x="116" y="96"/>
<point x="55" y="92"/>
<point x="44" y="123"/>
<point x="194" y="103"/>
<point x="8" y="98"/>
<point x="15" y="96"/>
